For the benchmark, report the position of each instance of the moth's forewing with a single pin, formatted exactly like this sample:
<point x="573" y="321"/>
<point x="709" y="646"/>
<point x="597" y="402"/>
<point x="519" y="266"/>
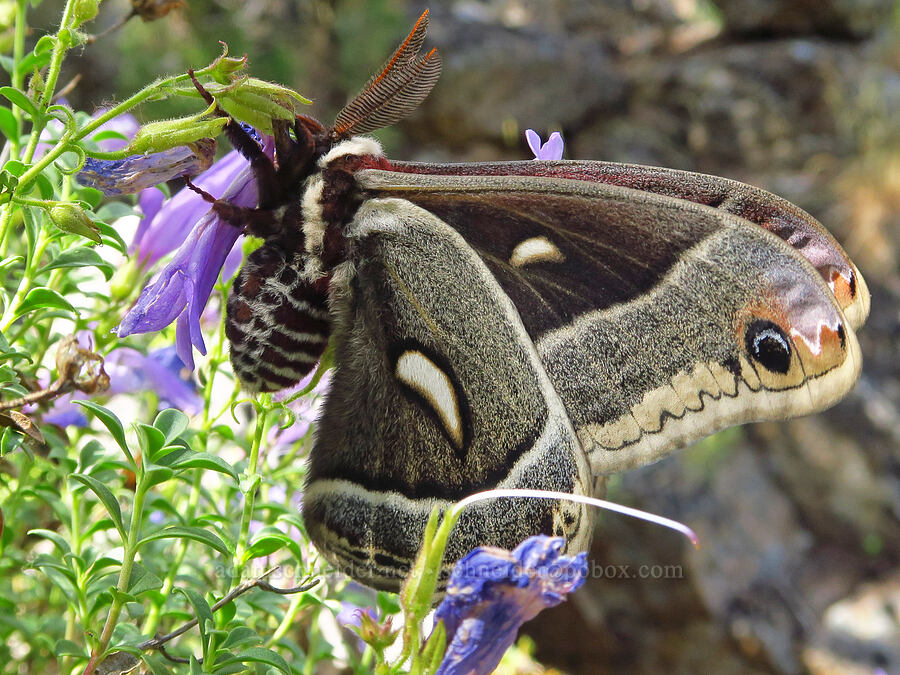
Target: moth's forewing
<point x="438" y="393"/>
<point x="658" y="320"/>
<point x="798" y="228"/>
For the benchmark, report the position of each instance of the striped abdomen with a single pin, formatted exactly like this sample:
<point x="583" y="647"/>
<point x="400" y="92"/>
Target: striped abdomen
<point x="276" y="321"/>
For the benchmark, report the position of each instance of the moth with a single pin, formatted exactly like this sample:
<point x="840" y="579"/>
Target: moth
<point x="527" y="324"/>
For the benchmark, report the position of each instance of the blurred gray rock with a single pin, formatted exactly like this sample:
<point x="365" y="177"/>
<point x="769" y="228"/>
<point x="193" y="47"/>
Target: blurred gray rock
<point x="831" y="18"/>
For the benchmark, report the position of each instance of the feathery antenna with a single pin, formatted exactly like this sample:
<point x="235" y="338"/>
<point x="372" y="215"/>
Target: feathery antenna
<point x="402" y="84"/>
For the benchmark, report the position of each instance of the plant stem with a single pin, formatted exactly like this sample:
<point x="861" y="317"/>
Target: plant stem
<point x="59" y="51"/>
<point x="9" y="315"/>
<point x="153" y="616"/>
<point x="17" y="78"/>
<point x="249" y="486"/>
<point x="128" y="556"/>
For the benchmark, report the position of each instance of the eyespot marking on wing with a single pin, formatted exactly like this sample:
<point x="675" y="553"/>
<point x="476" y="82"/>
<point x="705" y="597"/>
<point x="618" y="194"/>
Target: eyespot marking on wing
<point x="420" y="374"/>
<point x="535" y="249"/>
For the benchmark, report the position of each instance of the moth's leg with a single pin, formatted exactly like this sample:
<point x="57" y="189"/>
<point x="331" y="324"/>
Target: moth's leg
<point x="276" y="321"/>
<point x="255" y="222"/>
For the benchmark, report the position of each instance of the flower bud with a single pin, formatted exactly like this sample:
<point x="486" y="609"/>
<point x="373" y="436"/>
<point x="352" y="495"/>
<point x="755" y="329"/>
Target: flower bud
<point x="71" y="218"/>
<point x="84" y="11"/>
<point x="378" y="635"/>
<point x="258" y="102"/>
<point x="225" y="69"/>
<point x="168" y="134"/>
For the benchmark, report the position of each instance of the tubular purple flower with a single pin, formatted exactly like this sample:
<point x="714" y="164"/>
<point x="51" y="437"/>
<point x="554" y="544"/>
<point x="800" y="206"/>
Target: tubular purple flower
<point x="552" y="149"/>
<point x="116" y="177"/>
<point x="182" y="288"/>
<point x="165" y="223"/>
<point x="492" y="592"/>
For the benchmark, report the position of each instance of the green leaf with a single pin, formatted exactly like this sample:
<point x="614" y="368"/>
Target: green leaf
<point x="80" y="256"/>
<point x="142" y="580"/>
<point x="110" y="421"/>
<point x="44" y="298"/>
<point x="60" y="580"/>
<point x="32" y="61"/>
<point x="16" y="168"/>
<point x="92" y="197"/>
<point x="185" y="532"/>
<point x="4" y="264"/>
<point x="241" y="636"/>
<point x="107" y="134"/>
<point x="113" y="210"/>
<point x="90" y="453"/>
<point x="201" y="610"/>
<point x="45" y="44"/>
<point x="20" y="99"/>
<point x="68" y="648"/>
<point x="111" y="237"/>
<point x="60" y="543"/>
<point x="45" y="187"/>
<point x="155" y="474"/>
<point x="259" y="655"/>
<point x="224" y="430"/>
<point x="155" y="664"/>
<point x="10" y="441"/>
<point x="150" y="439"/>
<point x="267" y="541"/>
<point x="172" y="422"/>
<point x="8" y="125"/>
<point x="204" y="460"/>
<point x="106" y="497"/>
<point x="170" y="454"/>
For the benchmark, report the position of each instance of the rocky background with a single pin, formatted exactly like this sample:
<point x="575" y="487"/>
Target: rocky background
<point x="798" y="570"/>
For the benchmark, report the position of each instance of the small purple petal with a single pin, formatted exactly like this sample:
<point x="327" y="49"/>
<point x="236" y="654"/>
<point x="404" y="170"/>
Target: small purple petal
<point x="534" y="142"/>
<point x="127" y="176"/>
<point x="183" y="287"/>
<point x="553" y="148"/>
<point x="234" y="259"/>
<point x="159" y="304"/>
<point x="492" y="592"/>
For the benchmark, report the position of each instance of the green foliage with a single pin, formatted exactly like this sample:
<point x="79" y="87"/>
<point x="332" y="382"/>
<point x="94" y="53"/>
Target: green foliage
<point x="139" y="535"/>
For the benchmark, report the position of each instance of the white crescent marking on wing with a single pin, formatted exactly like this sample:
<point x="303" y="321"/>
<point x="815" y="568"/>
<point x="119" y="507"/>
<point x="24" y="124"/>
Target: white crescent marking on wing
<point x="419" y="373"/>
<point x="535" y="249"/>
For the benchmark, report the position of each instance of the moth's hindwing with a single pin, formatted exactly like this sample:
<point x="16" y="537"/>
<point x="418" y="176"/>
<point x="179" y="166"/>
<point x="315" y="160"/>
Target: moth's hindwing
<point x="657" y="320"/>
<point x="438" y="393"/>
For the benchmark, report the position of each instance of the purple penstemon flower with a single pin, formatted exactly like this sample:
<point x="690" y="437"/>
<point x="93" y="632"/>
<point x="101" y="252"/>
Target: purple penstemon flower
<point x="492" y="592"/>
<point x="182" y="288"/>
<point x="166" y="222"/>
<point x="552" y="149"/>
